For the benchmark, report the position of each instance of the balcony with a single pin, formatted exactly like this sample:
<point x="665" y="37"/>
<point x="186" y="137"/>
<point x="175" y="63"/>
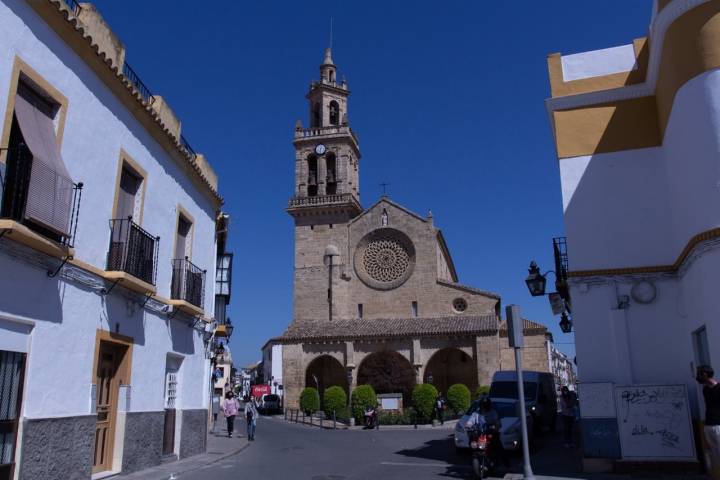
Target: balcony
<point x="188" y="286"/>
<point x="39" y="205"/>
<point x="313" y="132"/>
<point x="132" y="256"/>
<point x="343" y="198"/>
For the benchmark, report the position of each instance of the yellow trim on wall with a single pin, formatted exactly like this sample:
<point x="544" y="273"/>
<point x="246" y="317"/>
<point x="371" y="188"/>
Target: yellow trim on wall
<point x="20" y="67"/>
<point x="692" y="243"/>
<point x="191" y="234"/>
<point x="126" y="160"/>
<point x="561" y="88"/>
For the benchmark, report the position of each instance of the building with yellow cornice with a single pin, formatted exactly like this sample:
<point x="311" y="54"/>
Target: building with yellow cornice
<point x="637" y="133"/>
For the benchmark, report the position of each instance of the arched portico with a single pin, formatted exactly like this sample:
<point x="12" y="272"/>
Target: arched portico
<point x="449" y="366"/>
<point x="323" y="372"/>
<point x="388" y="372"/>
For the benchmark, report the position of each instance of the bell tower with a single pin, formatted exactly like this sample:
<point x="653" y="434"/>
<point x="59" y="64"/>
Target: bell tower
<point x="326" y="197"/>
<point x="327" y="153"/>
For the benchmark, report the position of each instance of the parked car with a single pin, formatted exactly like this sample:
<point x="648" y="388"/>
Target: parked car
<point x="270" y="403"/>
<point x="540" y="395"/>
<point x="510" y="429"/>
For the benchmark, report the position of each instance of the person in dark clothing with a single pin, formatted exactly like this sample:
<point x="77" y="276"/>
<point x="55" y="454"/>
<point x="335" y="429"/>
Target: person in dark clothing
<point x="568" y="402"/>
<point x="711" y="394"/>
<point x="439" y="409"/>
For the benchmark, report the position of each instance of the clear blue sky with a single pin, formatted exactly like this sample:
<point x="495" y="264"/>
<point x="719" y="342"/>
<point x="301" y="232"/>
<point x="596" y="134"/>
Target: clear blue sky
<point x="447" y="100"/>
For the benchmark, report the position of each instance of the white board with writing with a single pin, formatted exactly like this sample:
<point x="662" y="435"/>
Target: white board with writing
<point x="596" y="400"/>
<point x="654" y="422"/>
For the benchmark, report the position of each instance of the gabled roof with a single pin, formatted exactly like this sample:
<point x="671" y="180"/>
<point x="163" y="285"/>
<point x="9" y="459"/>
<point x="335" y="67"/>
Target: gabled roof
<point x="387" y="200"/>
<point x="446" y="253"/>
<point x="460" y="286"/>
<point x="349" y="329"/>
<point x="529" y="328"/>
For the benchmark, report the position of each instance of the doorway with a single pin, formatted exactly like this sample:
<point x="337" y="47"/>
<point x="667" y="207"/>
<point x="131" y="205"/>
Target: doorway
<point x="112" y="369"/>
<point x="12" y="370"/>
<point x="172" y="377"/>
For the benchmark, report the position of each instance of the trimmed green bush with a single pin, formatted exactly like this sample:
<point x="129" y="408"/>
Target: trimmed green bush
<point x="396" y="418"/>
<point x="423" y="399"/>
<point x="362" y="396"/>
<point x="482" y="390"/>
<point x="458" y="397"/>
<point x="335" y="399"/>
<point x="309" y="400"/>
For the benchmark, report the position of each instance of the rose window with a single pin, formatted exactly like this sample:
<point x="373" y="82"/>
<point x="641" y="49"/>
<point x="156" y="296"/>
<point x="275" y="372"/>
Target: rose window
<point x="460" y="305"/>
<point x="385" y="258"/>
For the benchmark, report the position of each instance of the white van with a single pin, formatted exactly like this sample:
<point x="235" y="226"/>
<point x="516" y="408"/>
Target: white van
<point x="540" y="395"/>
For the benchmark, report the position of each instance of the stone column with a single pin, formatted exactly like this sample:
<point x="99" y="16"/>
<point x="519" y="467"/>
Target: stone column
<point x="293" y="375"/>
<point x="301" y="173"/>
<point x="487" y="357"/>
<point x="322" y="175"/>
<point x="417" y="360"/>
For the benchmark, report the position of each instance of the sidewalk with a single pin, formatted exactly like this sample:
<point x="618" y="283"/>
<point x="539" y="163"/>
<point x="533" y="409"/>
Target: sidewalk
<point x="328" y="424"/>
<point x="219" y="446"/>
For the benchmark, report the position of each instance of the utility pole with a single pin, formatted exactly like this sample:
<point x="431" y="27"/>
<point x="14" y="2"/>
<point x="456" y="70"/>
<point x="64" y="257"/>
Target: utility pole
<point x="516" y="341"/>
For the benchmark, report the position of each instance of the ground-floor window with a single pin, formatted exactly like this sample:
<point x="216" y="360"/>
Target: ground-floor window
<point x="12" y="369"/>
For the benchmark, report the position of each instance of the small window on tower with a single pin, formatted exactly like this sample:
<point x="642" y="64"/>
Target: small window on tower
<point x="316" y="117"/>
<point x="331" y="188"/>
<point x="312" y="185"/>
<point x="414" y="309"/>
<point x="334" y="113"/>
<point x="360" y="310"/>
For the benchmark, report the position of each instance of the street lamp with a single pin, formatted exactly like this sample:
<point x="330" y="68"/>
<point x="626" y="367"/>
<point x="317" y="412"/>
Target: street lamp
<point x="229" y="327"/>
<point x="565" y="323"/>
<point x="535" y="280"/>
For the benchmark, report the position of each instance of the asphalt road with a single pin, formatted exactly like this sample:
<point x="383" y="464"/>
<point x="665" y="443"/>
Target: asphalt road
<point x="289" y="451"/>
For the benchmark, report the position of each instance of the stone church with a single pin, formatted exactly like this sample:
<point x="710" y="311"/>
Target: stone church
<point x="376" y="296"/>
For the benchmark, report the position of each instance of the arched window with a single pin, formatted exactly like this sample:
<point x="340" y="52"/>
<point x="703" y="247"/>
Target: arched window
<point x="332" y="76"/>
<point x="316" y="117"/>
<point x="334" y="113"/>
<point x="331" y="163"/>
<point x="312" y="185"/>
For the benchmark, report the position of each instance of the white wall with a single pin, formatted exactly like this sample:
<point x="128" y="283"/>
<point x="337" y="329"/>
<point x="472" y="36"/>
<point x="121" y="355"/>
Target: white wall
<point x="66" y="313"/>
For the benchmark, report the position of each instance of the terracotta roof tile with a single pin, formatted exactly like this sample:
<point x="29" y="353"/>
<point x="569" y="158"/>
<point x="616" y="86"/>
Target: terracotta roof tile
<point x="529" y="327"/>
<point x="391" y="327"/>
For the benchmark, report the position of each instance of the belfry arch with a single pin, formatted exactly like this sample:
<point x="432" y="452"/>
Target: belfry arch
<point x="388" y="372"/>
<point x="449" y="366"/>
<point x="328" y="371"/>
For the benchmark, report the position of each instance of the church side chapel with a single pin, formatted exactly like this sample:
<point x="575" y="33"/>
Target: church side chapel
<point x="376" y="296"/>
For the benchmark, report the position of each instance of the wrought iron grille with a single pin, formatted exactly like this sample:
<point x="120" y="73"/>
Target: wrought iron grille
<point x="132" y="250"/>
<point x="223" y="275"/>
<point x="61" y="196"/>
<point x="137" y="83"/>
<point x="188" y="282"/>
<point x="74" y="6"/>
<point x="186" y="146"/>
<point x="561" y="256"/>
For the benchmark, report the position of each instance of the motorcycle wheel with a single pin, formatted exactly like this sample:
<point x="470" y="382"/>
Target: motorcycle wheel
<point x="478" y="468"/>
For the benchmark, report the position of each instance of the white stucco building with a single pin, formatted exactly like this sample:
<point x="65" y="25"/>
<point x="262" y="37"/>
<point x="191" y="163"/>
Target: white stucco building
<point x="103" y="299"/>
<point x="272" y="365"/>
<point x="637" y="131"/>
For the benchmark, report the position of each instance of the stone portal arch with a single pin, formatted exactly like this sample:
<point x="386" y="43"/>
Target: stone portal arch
<point x="388" y="372"/>
<point x="449" y="366"/>
<point x="328" y="371"/>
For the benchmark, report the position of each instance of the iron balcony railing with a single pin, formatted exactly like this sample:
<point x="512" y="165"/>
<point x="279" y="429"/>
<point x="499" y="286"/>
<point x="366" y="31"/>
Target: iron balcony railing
<point x="137" y="83"/>
<point x="57" y="197"/>
<point x="188" y="282"/>
<point x="327" y="130"/>
<point x="132" y="250"/>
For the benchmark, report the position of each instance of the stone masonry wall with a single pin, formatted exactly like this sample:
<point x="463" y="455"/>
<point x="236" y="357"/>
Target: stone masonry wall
<point x="54" y="448"/>
<point x="193" y="432"/>
<point x="143" y="440"/>
<point x="534" y="354"/>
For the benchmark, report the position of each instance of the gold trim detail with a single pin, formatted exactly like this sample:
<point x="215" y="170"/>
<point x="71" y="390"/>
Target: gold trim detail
<point x="126" y="160"/>
<point x="23" y="235"/>
<point x="187" y="307"/>
<point x="561" y="88"/>
<point x="20" y="67"/>
<point x="694" y="241"/>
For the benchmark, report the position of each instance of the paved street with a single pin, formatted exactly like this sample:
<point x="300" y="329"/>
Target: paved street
<point x="294" y="451"/>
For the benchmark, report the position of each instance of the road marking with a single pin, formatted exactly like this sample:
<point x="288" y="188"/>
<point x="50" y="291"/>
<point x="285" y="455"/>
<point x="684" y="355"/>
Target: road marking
<point x="413" y="464"/>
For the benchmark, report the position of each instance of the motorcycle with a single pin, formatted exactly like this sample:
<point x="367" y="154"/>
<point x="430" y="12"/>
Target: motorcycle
<point x="481" y="447"/>
<point x="371" y="417"/>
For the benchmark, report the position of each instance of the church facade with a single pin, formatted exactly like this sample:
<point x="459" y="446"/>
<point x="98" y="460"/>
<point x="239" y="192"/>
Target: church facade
<point x="376" y="296"/>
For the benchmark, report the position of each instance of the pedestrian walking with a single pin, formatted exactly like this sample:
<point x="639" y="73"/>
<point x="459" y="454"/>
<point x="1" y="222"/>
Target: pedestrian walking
<point x="568" y="405"/>
<point x="711" y="394"/>
<point x="230" y="409"/>
<point x="251" y="415"/>
<point x="439" y="409"/>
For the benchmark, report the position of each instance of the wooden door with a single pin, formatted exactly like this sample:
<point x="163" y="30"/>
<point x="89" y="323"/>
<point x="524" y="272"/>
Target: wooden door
<point x="107" y="384"/>
<point x="12" y="368"/>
